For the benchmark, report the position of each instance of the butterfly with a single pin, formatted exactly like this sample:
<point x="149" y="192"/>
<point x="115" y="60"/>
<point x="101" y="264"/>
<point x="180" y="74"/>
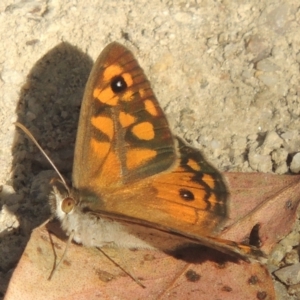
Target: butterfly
<point x="135" y="184"/>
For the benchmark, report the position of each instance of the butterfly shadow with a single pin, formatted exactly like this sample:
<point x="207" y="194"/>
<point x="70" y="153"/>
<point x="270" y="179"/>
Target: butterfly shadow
<point x="198" y="254"/>
<point x="48" y="106"/>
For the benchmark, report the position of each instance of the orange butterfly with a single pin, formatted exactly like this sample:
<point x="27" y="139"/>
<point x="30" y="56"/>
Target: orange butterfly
<point x="134" y="182"/>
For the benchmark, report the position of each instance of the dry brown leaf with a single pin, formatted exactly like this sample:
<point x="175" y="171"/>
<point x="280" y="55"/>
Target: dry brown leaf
<point x="87" y="274"/>
<point x="267" y="200"/>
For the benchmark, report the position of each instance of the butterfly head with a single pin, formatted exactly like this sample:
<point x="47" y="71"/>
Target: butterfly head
<point x="62" y="201"/>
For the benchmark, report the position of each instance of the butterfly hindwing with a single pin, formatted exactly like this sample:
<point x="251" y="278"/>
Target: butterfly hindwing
<point x="189" y="197"/>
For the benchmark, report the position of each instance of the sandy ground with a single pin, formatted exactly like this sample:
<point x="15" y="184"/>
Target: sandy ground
<point x="225" y="72"/>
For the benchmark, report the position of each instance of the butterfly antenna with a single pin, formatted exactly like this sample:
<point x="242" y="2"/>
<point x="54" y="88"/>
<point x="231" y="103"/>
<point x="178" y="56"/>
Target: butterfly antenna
<point x="28" y="133"/>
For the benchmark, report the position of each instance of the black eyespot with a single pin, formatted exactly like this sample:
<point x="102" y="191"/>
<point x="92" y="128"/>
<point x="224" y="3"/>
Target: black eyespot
<point x="186" y="195"/>
<point x="118" y="84"/>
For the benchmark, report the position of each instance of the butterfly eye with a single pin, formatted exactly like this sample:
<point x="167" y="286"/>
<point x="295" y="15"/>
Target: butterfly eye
<point x="67" y="205"/>
<point x="186" y="195"/>
<point x="118" y="84"/>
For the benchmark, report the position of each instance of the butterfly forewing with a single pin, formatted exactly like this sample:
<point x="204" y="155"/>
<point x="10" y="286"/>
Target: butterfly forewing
<point x="123" y="135"/>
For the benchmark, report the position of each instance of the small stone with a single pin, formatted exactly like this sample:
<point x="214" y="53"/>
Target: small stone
<point x="223" y="38"/>
<point x="282" y="168"/>
<point x="215" y="144"/>
<point x="279" y="155"/>
<point x="183" y="17"/>
<point x="261" y="163"/>
<point x="292" y="257"/>
<point x="262" y="98"/>
<point x="272" y="141"/>
<point x="8" y="220"/>
<point x="280" y="290"/>
<point x="269" y="79"/>
<point x="295" y="164"/>
<point x="292" y="239"/>
<point x="294" y="289"/>
<point x="258" y="47"/>
<point x="289" y="275"/>
<point x="12" y="76"/>
<point x="289" y="135"/>
<point x="278" y="17"/>
<point x="277" y="255"/>
<point x="267" y="66"/>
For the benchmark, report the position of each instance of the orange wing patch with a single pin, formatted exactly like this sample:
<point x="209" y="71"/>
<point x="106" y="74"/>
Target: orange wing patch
<point x="99" y="149"/>
<point x="150" y="107"/>
<point x="128" y="96"/>
<point x="194" y="165"/>
<point x="209" y="180"/>
<point x="144" y="131"/>
<point x="126" y="119"/>
<point x="128" y="79"/>
<point x="111" y="72"/>
<point x="104" y="124"/>
<point x="138" y="156"/>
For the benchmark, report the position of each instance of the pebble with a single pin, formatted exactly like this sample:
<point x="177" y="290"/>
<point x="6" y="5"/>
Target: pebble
<point x="281" y="168"/>
<point x="277" y="18"/>
<point x="292" y="239"/>
<point x="184" y="18"/>
<point x="258" y="47"/>
<point x="260" y="157"/>
<point x="215" y="144"/>
<point x="280" y="291"/>
<point x="272" y="141"/>
<point x="8" y="220"/>
<point x="289" y="135"/>
<point x="12" y="76"/>
<point x="279" y="155"/>
<point x="267" y="66"/>
<point x="292" y="257"/>
<point x="269" y="79"/>
<point x="277" y="254"/>
<point x="258" y="162"/>
<point x="294" y="289"/>
<point x="289" y="275"/>
<point x="295" y="164"/>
